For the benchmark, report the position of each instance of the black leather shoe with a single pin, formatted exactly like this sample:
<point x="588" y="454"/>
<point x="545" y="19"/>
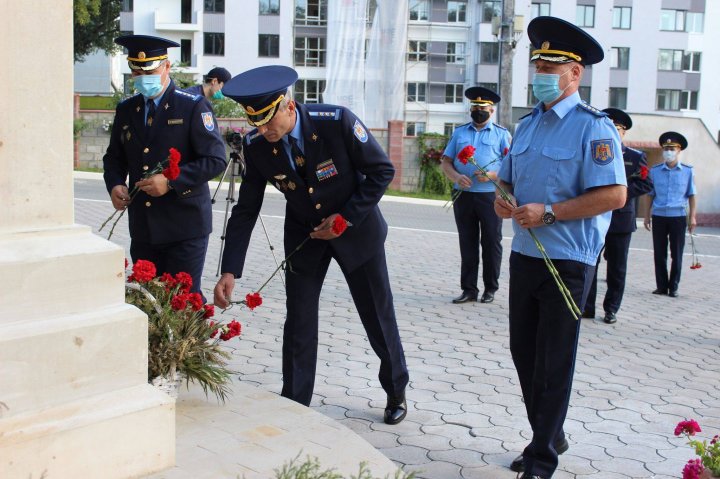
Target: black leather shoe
<point x="660" y="291"/>
<point x="588" y="314"/>
<point x="673" y="293"/>
<point x="395" y="410"/>
<point x="610" y="318"/>
<point x="487" y="297"/>
<point x="465" y="298"/>
<point x="519" y="466"/>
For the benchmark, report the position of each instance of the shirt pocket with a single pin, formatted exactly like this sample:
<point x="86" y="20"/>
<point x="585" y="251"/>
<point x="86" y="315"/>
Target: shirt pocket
<point x="563" y="169"/>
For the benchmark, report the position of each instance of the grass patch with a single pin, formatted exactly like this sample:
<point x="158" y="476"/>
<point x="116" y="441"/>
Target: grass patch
<point x="417" y="194"/>
<point x="96" y="103"/>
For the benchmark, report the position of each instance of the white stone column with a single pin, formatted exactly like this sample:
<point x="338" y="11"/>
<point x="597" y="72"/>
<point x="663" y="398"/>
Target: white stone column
<point x="74" y="398"/>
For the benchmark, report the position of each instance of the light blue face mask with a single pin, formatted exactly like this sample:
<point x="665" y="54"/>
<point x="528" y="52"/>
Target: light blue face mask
<point x="218" y="95"/>
<point x="669" y="155"/>
<point x="546" y="86"/>
<point x="148" y="85"/>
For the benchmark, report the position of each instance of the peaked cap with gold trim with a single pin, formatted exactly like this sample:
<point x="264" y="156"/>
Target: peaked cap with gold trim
<point x="673" y="138"/>
<point x="145" y="52"/>
<point x="481" y="96"/>
<point x="558" y="41"/>
<point x="260" y="90"/>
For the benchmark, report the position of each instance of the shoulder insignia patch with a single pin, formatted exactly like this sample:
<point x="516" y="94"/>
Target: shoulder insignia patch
<point x="252" y="136"/>
<point x="602" y="151"/>
<point x="208" y="122"/>
<point x="591" y="109"/>
<point x="326" y="115"/>
<point x="187" y="95"/>
<point x="360" y="132"/>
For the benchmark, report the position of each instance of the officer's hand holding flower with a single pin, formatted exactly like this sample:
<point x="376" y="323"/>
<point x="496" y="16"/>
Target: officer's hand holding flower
<point x="156" y="185"/>
<point x="119" y="197"/>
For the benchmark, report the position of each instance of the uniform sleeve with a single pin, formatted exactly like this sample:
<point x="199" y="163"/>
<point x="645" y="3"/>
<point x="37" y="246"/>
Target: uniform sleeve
<point x="636" y="185"/>
<point x="115" y="166"/>
<point x="691" y="183"/>
<point x="208" y="149"/>
<point x="603" y="163"/>
<point x="451" y="148"/>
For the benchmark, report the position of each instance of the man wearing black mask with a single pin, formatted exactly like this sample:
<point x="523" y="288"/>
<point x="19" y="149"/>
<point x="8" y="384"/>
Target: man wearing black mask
<point x="477" y="223"/>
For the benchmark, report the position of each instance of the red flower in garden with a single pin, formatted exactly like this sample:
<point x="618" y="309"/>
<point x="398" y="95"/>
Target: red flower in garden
<point x="231" y="330"/>
<point x="465" y="154"/>
<point x="339" y="225"/>
<point x="689" y="427"/>
<point x="253" y="300"/>
<point x="143" y="271"/>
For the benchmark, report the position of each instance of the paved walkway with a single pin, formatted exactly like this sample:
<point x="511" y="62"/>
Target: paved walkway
<point x="634" y="380"/>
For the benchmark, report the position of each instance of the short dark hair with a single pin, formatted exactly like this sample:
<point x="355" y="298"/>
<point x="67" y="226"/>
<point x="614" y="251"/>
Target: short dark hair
<point x="221" y="74"/>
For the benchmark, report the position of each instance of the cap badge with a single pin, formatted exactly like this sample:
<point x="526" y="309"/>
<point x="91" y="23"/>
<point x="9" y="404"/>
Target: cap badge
<point x="141" y="55"/>
<point x="545" y="45"/>
<point x="250" y="109"/>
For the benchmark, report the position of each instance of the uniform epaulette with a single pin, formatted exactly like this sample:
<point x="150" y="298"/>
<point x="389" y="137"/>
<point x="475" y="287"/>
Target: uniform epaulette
<point x="591" y="109"/>
<point x="525" y="115"/>
<point x="659" y="164"/>
<point x="252" y="136"/>
<point x="129" y="99"/>
<point x="187" y="95"/>
<point x="500" y="126"/>
<point x="685" y="164"/>
<point x="326" y="114"/>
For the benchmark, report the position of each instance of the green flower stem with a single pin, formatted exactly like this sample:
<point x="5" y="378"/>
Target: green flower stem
<point x="567" y="296"/>
<point x="456" y="193"/>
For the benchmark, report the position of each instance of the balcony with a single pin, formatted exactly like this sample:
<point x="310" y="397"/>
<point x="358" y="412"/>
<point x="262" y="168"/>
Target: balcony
<point x="171" y="22"/>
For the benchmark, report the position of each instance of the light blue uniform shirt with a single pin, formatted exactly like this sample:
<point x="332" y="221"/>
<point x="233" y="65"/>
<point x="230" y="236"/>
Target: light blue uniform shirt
<point x="489" y="142"/>
<point x="299" y="140"/>
<point x="671" y="189"/>
<point x="557" y="155"/>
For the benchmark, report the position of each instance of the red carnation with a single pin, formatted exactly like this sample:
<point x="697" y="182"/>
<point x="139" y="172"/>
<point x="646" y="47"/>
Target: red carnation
<point x="233" y="329"/>
<point x="505" y="151"/>
<point x="689" y="427"/>
<point x="209" y="312"/>
<point x="174" y="156"/>
<point x="466" y="154"/>
<point x="173" y="169"/>
<point x="643" y="172"/>
<point x="185" y="281"/>
<point x="179" y="302"/>
<point x="195" y="300"/>
<point x="339" y="225"/>
<point x="214" y="333"/>
<point x="126" y="263"/>
<point x="253" y="300"/>
<point x="143" y="271"/>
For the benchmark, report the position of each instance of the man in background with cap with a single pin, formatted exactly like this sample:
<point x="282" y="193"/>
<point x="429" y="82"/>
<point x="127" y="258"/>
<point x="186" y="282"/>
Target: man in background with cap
<point x="566" y="174"/>
<point x="667" y="215"/>
<point x="331" y="170"/>
<point x="211" y="88"/>
<point x="170" y="221"/>
<point x="622" y="225"/>
<point x="477" y="223"/>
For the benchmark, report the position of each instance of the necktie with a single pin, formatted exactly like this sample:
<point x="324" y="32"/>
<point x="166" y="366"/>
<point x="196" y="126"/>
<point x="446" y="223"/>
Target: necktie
<point x="297" y="157"/>
<point x="151" y="113"/>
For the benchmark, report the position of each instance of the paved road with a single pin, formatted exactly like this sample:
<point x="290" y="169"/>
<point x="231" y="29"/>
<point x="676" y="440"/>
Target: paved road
<point x="634" y="380"/>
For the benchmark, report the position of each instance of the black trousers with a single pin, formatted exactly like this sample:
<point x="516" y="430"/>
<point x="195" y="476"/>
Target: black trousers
<point x="370" y="289"/>
<point x="668" y="229"/>
<point x="187" y="256"/>
<point x="478" y="227"/>
<point x="543" y="344"/>
<point x="616" y="250"/>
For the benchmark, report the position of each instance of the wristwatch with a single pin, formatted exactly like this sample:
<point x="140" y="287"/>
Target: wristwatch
<point x="549" y="216"/>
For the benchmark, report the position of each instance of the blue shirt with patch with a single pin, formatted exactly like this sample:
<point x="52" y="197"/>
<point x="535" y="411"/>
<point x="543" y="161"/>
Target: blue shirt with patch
<point x="671" y="189"/>
<point x="557" y="155"/>
<point x="489" y="143"/>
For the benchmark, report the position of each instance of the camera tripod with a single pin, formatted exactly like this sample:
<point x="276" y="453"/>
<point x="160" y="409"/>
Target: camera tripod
<point x="236" y="168"/>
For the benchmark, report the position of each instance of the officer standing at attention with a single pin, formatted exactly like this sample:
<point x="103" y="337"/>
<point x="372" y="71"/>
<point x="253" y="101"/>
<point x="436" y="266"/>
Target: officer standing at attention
<point x="622" y="225"/>
<point x="211" y="88"/>
<point x="326" y="163"/>
<point x="566" y="174"/>
<point x="673" y="203"/>
<point x="170" y="221"/>
<point x="477" y="223"/>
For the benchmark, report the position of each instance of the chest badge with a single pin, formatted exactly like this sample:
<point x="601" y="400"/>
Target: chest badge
<point x="326" y="170"/>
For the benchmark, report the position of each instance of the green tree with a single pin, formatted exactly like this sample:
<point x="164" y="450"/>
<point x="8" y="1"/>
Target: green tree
<point x="97" y="23"/>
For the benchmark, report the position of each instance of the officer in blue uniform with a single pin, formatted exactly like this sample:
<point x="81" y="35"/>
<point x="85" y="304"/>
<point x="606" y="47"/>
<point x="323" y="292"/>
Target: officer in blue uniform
<point x="566" y="174"/>
<point x="673" y="204"/>
<point x="326" y="163"/>
<point x="622" y="225"/>
<point x="170" y="221"/>
<point x="211" y="88"/>
<point x="478" y="225"/>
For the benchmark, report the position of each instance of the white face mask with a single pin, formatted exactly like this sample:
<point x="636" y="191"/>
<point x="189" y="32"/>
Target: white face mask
<point x="669" y="155"/>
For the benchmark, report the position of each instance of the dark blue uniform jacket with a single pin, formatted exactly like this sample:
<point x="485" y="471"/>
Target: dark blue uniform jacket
<point x="623" y="219"/>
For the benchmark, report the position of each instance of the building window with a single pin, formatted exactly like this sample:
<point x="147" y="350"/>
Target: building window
<point x="456" y="11"/>
<point x="584" y="92"/>
<point x="622" y="17"/>
<point x="449" y="128"/>
<point x="309" y="91"/>
<point x="691" y="61"/>
<point x="585" y="16"/>
<point x="694" y="22"/>
<point x="269" y="45"/>
<point x="214" y="43"/>
<point x="185" y="51"/>
<point x="417" y="51"/>
<point x="620" y="58"/>
<point x="414" y="128"/>
<point x="419" y="9"/>
<point x="310" y="52"/>
<point x="214" y="6"/>
<point x="416" y="92"/>
<point x="489" y="86"/>
<point x="677" y="100"/>
<point x="490" y="9"/>
<point x="670" y="60"/>
<point x="618" y="98"/>
<point x="539" y="9"/>
<point x="672" y="20"/>
<point x="489" y="53"/>
<point x="127" y="6"/>
<point x="454" y="93"/>
<point x="531" y="99"/>
<point x="311" y="12"/>
<point x="455" y="52"/>
<point x="269" y="7"/>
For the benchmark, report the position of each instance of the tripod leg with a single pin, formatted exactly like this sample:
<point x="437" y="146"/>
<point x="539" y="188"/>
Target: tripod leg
<point x="228" y="201"/>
